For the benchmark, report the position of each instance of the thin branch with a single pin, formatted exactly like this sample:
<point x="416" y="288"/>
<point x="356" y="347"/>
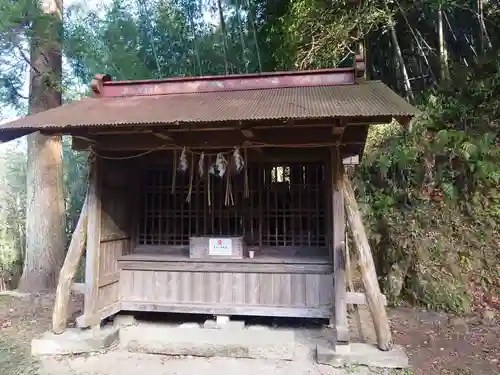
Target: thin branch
<point x="454" y="36"/>
<point x="15" y="90"/>
<point x="476" y="14"/>
<point x="417" y="41"/>
<point x="27" y="60"/>
<point x="429" y="48"/>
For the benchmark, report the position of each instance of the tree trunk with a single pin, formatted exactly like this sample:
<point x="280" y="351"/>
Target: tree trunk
<point x="242" y="37"/>
<point x="45" y="229"/>
<point x="224" y="36"/>
<point x="251" y="21"/>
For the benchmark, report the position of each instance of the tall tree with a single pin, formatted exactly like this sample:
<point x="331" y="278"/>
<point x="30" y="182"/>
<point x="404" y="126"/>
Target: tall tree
<point x="45" y="216"/>
<point x="224" y="35"/>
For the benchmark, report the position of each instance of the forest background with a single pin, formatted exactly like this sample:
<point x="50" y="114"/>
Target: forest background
<point x="429" y="193"/>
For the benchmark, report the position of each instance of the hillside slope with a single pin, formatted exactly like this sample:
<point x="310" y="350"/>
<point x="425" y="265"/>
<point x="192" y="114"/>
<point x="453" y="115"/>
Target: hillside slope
<point x="431" y="197"/>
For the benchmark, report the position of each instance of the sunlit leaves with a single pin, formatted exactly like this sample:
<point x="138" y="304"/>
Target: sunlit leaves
<point x="319" y="34"/>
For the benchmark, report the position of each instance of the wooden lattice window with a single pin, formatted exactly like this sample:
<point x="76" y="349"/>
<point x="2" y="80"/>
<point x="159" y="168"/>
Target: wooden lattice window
<point x="285" y="206"/>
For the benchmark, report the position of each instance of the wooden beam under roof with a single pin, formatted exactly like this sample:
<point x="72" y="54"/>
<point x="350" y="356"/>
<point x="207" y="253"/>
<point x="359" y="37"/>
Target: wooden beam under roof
<point x="224" y="140"/>
<point x="252" y="127"/>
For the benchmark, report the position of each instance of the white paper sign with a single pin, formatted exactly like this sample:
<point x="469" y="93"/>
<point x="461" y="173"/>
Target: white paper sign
<point x="220" y="246"/>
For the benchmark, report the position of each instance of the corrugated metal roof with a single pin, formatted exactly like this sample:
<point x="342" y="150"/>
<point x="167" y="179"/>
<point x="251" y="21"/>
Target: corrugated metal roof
<point x="369" y="99"/>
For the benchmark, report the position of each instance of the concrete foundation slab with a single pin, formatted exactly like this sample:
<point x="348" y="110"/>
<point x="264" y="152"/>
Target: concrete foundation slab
<point x="208" y="342"/>
<point x="364" y="355"/>
<point x="124" y="363"/>
<point x="74" y="341"/>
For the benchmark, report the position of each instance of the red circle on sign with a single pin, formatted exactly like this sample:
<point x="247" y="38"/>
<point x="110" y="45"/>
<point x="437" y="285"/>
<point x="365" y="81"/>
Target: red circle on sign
<point x="219" y="242"/>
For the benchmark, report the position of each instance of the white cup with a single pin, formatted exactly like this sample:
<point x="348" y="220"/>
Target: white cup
<point x="251" y="253"/>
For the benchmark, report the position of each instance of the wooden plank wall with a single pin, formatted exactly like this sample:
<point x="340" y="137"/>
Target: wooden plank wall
<point x="246" y="293"/>
<point x="115" y="226"/>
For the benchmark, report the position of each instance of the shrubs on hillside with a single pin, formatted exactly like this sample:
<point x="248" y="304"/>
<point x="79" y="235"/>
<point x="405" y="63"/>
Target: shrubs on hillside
<point x="431" y="195"/>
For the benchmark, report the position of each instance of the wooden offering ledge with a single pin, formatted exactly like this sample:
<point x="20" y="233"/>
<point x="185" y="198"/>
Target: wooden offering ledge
<point x="259" y="264"/>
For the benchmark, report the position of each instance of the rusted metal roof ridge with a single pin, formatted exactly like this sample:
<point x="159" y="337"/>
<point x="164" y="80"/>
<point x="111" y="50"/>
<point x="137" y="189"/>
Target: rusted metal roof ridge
<point x="367" y="99"/>
<point x="103" y="86"/>
<point x="371" y="99"/>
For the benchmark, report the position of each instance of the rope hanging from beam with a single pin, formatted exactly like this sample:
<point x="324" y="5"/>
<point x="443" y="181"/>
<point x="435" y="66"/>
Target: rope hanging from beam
<point x="245" y="146"/>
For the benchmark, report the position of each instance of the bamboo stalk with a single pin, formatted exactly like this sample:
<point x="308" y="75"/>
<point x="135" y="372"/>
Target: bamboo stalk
<point x="402" y="65"/>
<point x="443" y="51"/>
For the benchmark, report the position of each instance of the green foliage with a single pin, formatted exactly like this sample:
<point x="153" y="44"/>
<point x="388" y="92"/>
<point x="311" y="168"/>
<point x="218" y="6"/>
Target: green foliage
<point x="432" y="201"/>
<point x="133" y="40"/>
<point x="12" y="214"/>
<point x="321" y="34"/>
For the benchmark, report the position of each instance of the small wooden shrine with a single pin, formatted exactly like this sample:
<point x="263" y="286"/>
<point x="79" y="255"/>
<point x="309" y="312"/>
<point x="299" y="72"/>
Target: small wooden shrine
<point x="219" y="195"/>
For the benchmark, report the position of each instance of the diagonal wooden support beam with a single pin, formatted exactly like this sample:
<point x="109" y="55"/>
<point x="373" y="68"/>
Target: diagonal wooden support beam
<point x="338" y="131"/>
<point x="373" y="295"/>
<point x="68" y="271"/>
<point x="163" y="136"/>
<point x="248" y="133"/>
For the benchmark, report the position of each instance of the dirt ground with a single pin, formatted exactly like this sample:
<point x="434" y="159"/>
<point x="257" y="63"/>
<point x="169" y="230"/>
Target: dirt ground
<point x="435" y="343"/>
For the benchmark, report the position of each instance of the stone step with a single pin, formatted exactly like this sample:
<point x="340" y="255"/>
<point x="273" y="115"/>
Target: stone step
<point x="244" y="343"/>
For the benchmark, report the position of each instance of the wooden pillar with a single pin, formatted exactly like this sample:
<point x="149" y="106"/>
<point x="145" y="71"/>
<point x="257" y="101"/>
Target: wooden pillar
<point x="90" y="312"/>
<point x="340" y="323"/>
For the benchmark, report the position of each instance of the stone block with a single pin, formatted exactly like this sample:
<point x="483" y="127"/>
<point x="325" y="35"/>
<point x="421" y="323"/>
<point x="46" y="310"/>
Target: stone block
<point x="258" y="327"/>
<point x="364" y="355"/>
<point x="210" y="324"/>
<point x="122" y="321"/>
<point x="277" y="345"/>
<point x="222" y="320"/>
<point x="232" y="324"/>
<point x="74" y="341"/>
